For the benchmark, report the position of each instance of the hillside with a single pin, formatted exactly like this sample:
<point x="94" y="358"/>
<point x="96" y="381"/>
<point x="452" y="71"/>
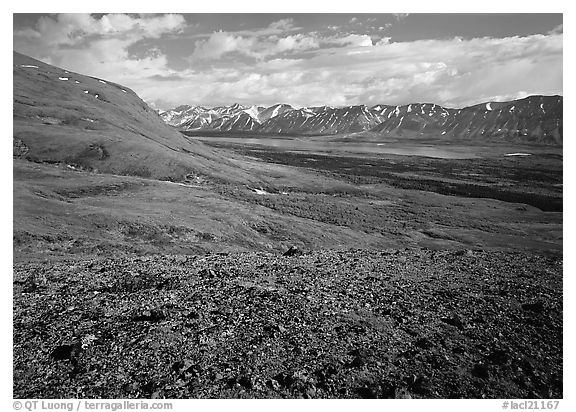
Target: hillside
<point x="97" y="125"/>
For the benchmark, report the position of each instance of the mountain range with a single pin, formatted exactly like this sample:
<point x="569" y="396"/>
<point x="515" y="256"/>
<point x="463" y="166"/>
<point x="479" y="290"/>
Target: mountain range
<point x="535" y="119"/>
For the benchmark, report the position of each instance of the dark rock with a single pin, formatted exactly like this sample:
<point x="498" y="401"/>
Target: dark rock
<point x="274" y="329"/>
<point x="148" y="387"/>
<point x="245" y="381"/>
<point x="177" y="366"/>
<point x="481" y="371"/>
<point x="67" y="351"/>
<point x="33" y="283"/>
<point x="360" y="356"/>
<point x="498" y="357"/>
<point x="387" y="390"/>
<point x="536" y="307"/>
<point x="423" y="343"/>
<point x="153" y="315"/>
<point x="292" y="251"/>
<point x="357" y="362"/>
<point x="207" y="272"/>
<point x="359" y="352"/>
<point x="453" y="320"/>
<point x="459" y="350"/>
<point x="420" y="385"/>
<point x="324" y="374"/>
<point x="285" y="379"/>
<point x="192" y="315"/>
<point x="366" y="392"/>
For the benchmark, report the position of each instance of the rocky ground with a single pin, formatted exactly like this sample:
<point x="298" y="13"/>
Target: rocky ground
<point x="411" y="323"/>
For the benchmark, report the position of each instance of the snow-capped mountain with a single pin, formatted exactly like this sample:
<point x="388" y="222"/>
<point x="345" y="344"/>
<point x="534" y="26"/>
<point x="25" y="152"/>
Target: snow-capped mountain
<point x="323" y="120"/>
<point x="535" y="118"/>
<point x="532" y="119"/>
<point x="222" y="118"/>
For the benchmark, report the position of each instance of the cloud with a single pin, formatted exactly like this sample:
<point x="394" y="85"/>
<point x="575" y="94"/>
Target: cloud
<point x="221" y="43"/>
<point x="282" y="25"/>
<point x="452" y="72"/>
<point x="400" y="16"/>
<point x="295" y="42"/>
<point x="279" y="27"/>
<point x="278" y="63"/>
<point x="360" y="40"/>
<point x="98" y="46"/>
<point x="69" y="29"/>
<point x="557" y="30"/>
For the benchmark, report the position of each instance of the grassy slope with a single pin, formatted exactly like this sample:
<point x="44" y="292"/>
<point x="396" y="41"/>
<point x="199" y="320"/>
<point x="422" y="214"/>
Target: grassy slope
<point x="60" y="212"/>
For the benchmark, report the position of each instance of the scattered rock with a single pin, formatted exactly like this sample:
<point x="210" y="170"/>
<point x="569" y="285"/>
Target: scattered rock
<point x="207" y="272"/>
<point x="285" y="379"/>
<point x="293" y="251"/>
<point x="498" y="357"/>
<point x="69" y="352"/>
<point x="152" y="315"/>
<point x="481" y="370"/>
<point x="420" y="385"/>
<point x="423" y="343"/>
<point x="402" y="393"/>
<point x="366" y="392"/>
<point x="246" y="381"/>
<point x="454" y="320"/>
<point x="222" y="339"/>
<point x="360" y="355"/>
<point x="536" y="307"/>
<point x="273" y="384"/>
<point x="19" y="148"/>
<point x="357" y="362"/>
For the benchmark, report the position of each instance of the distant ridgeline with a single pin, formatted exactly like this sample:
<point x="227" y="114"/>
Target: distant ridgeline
<point x="534" y="119"/>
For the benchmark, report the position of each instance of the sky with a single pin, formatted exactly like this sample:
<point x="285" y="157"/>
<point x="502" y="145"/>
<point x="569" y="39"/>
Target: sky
<point x="454" y="60"/>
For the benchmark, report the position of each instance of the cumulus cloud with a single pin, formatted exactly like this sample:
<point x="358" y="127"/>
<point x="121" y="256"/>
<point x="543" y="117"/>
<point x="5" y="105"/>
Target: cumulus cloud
<point x="296" y="42"/>
<point x="453" y="72"/>
<point x="98" y="46"/>
<point x="282" y="25"/>
<point x="361" y="40"/>
<point x="69" y="29"/>
<point x="221" y="43"/>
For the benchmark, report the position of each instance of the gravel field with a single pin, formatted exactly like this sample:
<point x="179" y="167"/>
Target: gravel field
<point x="411" y="323"/>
